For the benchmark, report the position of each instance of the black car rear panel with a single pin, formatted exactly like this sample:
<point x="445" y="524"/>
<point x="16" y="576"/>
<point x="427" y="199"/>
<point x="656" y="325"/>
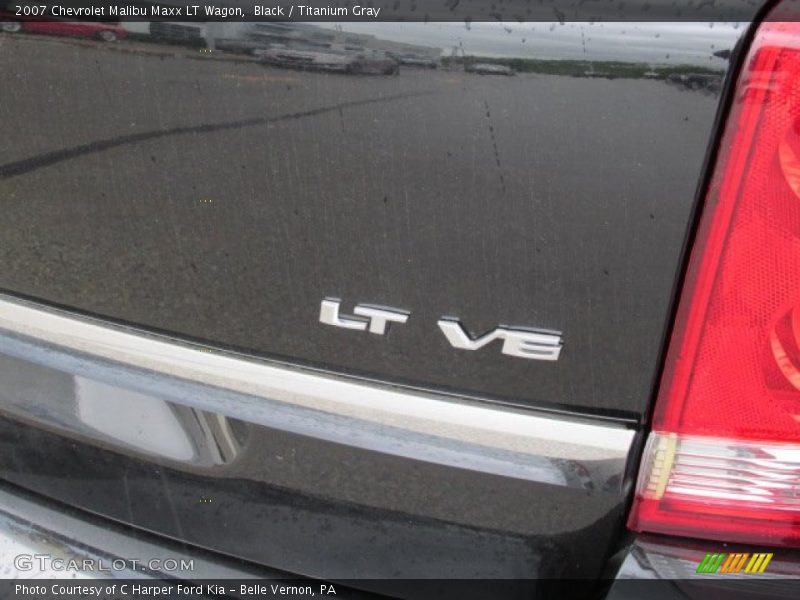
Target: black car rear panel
<point x="224" y="200"/>
<point x="219" y="200"/>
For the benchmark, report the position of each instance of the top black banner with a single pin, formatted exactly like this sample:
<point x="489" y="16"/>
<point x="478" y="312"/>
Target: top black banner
<point x="466" y="11"/>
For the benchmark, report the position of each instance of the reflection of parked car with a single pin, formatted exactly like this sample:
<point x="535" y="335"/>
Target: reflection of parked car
<point x="184" y="34"/>
<point x="374" y="65"/>
<point x="489" y="69"/>
<point x="237" y="46"/>
<point x="711" y="82"/>
<point x="328" y="61"/>
<point x="297" y="59"/>
<point x="107" y="32"/>
<point x="413" y="61"/>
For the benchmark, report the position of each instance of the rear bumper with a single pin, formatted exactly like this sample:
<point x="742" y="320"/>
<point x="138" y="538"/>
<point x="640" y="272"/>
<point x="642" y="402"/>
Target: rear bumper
<point x="304" y="471"/>
<point x="40" y="539"/>
<point x="43" y="539"/>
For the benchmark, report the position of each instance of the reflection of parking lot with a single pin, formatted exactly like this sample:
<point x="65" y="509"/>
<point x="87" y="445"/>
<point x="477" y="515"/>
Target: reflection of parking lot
<point x="138" y="87"/>
<point x="126" y="45"/>
<point x="161" y="40"/>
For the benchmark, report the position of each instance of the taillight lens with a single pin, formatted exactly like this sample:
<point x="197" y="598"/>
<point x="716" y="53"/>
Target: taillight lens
<point x="723" y="461"/>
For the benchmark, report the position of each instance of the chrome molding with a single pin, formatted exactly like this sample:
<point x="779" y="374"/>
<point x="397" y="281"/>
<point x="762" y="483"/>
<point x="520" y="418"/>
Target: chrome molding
<point x="423" y="426"/>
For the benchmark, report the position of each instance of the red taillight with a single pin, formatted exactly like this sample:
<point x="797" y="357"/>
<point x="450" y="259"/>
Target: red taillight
<point x="723" y="461"/>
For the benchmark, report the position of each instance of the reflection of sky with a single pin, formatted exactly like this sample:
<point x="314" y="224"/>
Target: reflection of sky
<point x="667" y="43"/>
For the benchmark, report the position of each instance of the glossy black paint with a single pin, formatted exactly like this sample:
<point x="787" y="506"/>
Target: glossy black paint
<point x="221" y="199"/>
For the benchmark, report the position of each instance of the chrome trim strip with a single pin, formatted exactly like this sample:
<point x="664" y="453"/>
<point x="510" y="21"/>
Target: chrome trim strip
<point x="422" y="426"/>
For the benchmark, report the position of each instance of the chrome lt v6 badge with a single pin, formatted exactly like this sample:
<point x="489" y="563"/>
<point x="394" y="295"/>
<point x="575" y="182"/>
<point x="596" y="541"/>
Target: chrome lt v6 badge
<point x="523" y="342"/>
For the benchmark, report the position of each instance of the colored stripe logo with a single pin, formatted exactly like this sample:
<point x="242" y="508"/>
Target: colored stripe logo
<point x="734" y="563"/>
